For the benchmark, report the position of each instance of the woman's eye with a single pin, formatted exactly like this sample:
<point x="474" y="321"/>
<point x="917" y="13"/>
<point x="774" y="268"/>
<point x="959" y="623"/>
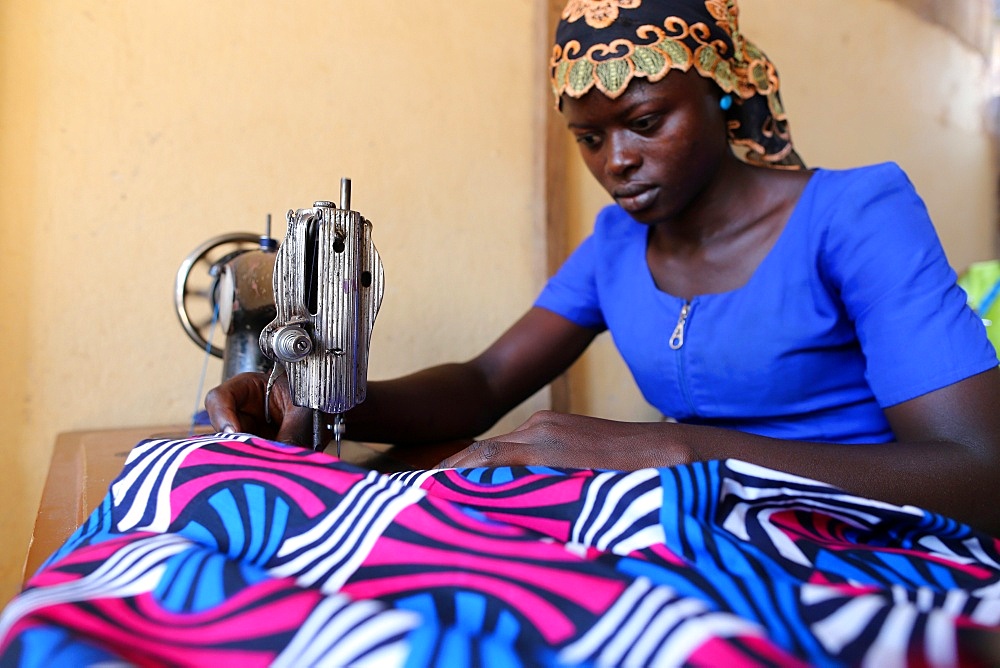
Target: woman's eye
<point x="645" y="123"/>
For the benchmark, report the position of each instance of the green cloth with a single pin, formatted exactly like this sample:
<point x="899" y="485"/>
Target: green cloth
<point x="981" y="282"/>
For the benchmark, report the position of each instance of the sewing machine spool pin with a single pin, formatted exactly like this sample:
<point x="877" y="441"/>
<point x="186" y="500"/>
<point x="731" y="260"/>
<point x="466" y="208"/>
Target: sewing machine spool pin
<point x="328" y="286"/>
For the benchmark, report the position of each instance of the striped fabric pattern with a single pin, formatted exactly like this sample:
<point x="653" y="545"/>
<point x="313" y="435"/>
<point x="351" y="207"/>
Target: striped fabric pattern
<point x="232" y="550"/>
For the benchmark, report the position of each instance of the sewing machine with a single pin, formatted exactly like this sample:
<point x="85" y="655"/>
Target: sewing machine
<point x="328" y="287"/>
<point x="305" y="309"/>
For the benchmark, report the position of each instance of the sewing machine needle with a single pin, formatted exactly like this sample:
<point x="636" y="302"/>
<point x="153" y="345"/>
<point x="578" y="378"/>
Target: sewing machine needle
<point x="317" y="429"/>
<point x="338" y="430"/>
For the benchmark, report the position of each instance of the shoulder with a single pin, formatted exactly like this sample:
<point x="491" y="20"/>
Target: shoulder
<point x="859" y="185"/>
<point x="867" y="203"/>
<point x="869" y="228"/>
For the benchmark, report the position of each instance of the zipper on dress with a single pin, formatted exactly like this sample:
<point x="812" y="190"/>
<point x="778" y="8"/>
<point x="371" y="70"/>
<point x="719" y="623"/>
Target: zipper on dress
<point x="677" y="338"/>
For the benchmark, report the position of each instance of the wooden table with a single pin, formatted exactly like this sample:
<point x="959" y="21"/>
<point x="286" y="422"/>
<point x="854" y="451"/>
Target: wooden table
<point x="85" y="462"/>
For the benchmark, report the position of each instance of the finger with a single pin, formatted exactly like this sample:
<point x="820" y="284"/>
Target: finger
<point x="453" y="461"/>
<point x="221" y="407"/>
<point x="224" y="402"/>
<point x="296" y="427"/>
<point x="479" y="454"/>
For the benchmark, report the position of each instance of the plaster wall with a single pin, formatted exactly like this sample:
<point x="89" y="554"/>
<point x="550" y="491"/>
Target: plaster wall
<point x="131" y="132"/>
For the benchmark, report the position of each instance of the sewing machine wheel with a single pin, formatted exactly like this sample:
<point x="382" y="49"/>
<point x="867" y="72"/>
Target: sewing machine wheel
<point x="195" y="288"/>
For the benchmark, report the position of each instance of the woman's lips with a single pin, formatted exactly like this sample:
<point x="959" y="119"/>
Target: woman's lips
<point x="636" y="198"/>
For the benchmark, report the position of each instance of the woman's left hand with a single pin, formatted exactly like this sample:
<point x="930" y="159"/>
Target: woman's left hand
<point x="575" y="441"/>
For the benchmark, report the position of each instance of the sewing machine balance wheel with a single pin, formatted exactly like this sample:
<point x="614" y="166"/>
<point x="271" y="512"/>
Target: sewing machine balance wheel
<point x="196" y="286"/>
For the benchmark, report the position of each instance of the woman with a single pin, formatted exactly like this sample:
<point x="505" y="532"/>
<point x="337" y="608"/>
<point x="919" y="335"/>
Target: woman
<point x="803" y="320"/>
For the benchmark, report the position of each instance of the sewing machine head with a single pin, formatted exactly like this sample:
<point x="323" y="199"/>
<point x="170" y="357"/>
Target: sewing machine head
<point x="306" y="310"/>
<point x="328" y="286"/>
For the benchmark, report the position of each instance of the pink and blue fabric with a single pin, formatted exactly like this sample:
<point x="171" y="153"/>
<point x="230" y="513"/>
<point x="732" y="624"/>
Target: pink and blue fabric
<point x="232" y="550"/>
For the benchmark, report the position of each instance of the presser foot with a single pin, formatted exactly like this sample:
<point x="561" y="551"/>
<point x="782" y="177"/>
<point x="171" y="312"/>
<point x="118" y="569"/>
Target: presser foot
<point x="338" y="431"/>
<point x="337" y="427"/>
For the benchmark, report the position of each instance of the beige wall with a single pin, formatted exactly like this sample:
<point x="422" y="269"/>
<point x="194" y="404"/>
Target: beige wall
<point x="130" y="132"/>
<point x="864" y="81"/>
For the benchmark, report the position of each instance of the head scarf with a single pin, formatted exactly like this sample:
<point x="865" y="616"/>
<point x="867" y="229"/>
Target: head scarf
<point x="604" y="44"/>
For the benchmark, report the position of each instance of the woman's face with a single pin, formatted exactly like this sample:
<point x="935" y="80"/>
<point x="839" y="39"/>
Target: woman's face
<point x="655" y="148"/>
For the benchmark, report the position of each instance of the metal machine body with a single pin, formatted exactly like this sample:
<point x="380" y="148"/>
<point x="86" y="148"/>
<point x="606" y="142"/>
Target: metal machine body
<point x="246" y="306"/>
<point x="328" y="286"/>
<point x="225" y="287"/>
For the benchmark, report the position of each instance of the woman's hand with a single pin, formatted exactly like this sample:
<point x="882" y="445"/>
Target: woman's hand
<point x="238" y="406"/>
<point x="575" y="441"/>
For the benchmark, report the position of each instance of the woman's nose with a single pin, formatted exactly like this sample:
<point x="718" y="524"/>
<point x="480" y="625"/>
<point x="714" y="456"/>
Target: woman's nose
<point x="622" y="155"/>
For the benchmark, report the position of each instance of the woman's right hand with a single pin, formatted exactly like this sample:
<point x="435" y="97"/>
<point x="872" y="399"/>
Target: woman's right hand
<point x="237" y="405"/>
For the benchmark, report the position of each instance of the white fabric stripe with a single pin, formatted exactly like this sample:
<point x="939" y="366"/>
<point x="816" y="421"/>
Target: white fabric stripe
<point x="889" y="649"/>
<point x="613" y="498"/>
<point x="359" y="520"/>
<point x="309" y="642"/>
<point x="975" y="548"/>
<point x="696" y="632"/>
<point x="412" y="478"/>
<point x="651" y="626"/>
<point x="841" y="628"/>
<point x="589" y="502"/>
<point x="142" y="449"/>
<point x="924" y="599"/>
<point x="742" y="514"/>
<point x="345" y="514"/>
<point x="605" y="627"/>
<point x="369" y="627"/>
<point x="341" y="516"/>
<point x="657" y="629"/>
<point x="954" y="602"/>
<point x="987" y="613"/>
<point x="650" y="535"/>
<point x="338" y="631"/>
<point x="357" y="553"/>
<point x="811" y="594"/>
<point x="822" y="488"/>
<point x="790" y="500"/>
<point x="746" y="468"/>
<point x="991" y="590"/>
<point x="785" y="546"/>
<point x="644" y="504"/>
<point x="152" y="485"/>
<point x="940" y="640"/>
<point x="132" y="570"/>
<point x="141" y="459"/>
<point x="637" y="624"/>
<point x="940" y="549"/>
<point x="395" y="654"/>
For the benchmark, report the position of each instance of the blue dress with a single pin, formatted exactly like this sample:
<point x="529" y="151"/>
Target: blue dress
<point x="854" y="309"/>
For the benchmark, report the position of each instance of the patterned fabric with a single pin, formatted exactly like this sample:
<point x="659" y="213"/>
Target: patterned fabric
<point x="604" y="44"/>
<point x="223" y="550"/>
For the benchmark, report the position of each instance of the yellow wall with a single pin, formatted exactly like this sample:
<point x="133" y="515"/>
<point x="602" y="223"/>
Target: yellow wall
<point x="130" y="132"/>
<point x="863" y="81"/>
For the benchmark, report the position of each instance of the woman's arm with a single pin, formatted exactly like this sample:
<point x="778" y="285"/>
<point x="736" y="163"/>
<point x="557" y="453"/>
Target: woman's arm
<point x="946" y="458"/>
<point x="441" y="403"/>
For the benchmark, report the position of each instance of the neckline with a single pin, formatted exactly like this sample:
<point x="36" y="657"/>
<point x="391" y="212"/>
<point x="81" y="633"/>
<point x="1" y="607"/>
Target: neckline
<point x="758" y="270"/>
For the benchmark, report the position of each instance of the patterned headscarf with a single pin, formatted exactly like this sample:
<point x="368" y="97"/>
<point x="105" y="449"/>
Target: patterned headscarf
<point x="604" y="44"/>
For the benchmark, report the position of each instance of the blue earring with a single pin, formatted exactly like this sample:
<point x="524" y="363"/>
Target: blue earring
<point x="725" y="102"/>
